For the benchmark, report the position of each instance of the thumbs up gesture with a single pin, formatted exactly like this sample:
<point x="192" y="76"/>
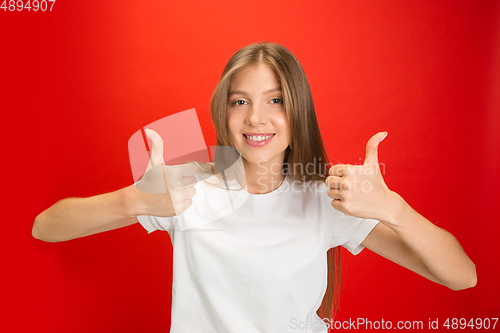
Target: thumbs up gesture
<point x="171" y="187"/>
<point x="360" y="190"/>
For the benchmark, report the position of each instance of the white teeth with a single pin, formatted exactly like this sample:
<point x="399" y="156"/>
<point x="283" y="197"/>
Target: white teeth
<point x="259" y="138"/>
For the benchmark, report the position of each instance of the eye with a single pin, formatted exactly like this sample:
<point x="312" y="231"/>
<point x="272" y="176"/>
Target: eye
<point x="239" y="102"/>
<point x="277" y="101"/>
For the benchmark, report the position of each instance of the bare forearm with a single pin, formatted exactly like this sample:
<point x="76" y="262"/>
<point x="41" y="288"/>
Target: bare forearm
<point x="76" y="217"/>
<point x="439" y="250"/>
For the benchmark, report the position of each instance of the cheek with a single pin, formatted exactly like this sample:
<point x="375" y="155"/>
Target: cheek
<point x="232" y="124"/>
<point x="283" y="125"/>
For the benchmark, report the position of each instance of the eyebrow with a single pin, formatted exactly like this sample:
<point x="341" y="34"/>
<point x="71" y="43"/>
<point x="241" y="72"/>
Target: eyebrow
<point x="240" y="92"/>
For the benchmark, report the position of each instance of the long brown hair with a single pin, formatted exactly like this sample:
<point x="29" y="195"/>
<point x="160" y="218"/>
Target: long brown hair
<point x="306" y="147"/>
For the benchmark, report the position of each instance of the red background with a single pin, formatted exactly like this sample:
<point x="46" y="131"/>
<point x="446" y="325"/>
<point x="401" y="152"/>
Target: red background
<point x="77" y="82"/>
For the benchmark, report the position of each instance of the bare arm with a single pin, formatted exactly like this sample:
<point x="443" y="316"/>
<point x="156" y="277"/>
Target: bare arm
<point x="403" y="236"/>
<point x="411" y="241"/>
<point x="77" y="217"/>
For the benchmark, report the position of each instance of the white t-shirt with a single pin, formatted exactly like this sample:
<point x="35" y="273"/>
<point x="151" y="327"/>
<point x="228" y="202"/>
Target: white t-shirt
<point x="255" y="263"/>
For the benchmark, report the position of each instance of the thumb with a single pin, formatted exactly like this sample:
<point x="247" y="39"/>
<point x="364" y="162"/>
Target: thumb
<point x="372" y="148"/>
<point x="156" y="149"/>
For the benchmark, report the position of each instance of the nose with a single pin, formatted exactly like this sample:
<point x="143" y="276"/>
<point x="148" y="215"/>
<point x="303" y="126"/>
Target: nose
<point x="256" y="116"/>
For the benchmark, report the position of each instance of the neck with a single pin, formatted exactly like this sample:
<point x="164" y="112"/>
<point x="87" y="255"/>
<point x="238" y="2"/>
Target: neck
<point x="263" y="177"/>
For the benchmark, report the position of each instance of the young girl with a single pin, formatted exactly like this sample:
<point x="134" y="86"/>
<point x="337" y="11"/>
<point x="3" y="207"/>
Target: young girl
<point x="258" y="262"/>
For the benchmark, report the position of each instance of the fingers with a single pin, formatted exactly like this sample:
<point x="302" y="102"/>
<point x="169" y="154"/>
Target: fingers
<point x="182" y="198"/>
<point x="182" y="206"/>
<point x="185" y="170"/>
<point x="176" y="182"/>
<point x="181" y="194"/>
<point x="339" y="201"/>
<point x="340" y="170"/>
<point x="372" y="148"/>
<point x="184" y="182"/>
<point x="156" y="149"/>
<point x="335" y="194"/>
<point x="334" y="182"/>
<point x="152" y="181"/>
<point x="340" y="206"/>
<point x="337" y="187"/>
<point x="179" y="176"/>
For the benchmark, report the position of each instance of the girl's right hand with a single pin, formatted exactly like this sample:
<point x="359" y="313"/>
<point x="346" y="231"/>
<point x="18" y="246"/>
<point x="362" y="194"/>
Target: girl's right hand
<point x="169" y="188"/>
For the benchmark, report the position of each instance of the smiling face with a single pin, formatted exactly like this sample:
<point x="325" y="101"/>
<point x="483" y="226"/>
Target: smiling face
<point x="256" y="118"/>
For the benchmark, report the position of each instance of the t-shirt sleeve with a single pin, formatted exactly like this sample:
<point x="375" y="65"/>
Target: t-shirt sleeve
<point x="153" y="223"/>
<point x="349" y="231"/>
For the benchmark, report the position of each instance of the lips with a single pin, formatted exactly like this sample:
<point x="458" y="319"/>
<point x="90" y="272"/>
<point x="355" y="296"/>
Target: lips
<point x="258" y="139"/>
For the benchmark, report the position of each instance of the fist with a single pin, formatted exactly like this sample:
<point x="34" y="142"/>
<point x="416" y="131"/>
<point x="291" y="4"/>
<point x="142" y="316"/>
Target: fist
<point x="175" y="183"/>
<point x="360" y="190"/>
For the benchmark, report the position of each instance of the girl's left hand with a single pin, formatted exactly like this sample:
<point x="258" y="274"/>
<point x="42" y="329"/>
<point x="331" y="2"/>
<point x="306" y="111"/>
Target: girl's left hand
<point x="360" y="190"/>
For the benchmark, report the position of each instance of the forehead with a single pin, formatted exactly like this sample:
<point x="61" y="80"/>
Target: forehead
<point x="255" y="77"/>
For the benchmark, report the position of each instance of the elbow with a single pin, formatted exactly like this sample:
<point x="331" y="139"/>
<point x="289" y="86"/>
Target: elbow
<point x="35" y="232"/>
<point x="463" y="286"/>
<point x="468" y="281"/>
<point x="38" y="230"/>
<point x="473" y="281"/>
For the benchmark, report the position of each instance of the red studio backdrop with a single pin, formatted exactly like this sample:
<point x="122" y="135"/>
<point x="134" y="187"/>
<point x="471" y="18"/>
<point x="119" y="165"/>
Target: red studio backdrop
<point x="79" y="80"/>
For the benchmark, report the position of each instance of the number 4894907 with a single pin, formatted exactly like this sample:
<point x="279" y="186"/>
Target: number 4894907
<point x="35" y="5"/>
<point x="477" y="323"/>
